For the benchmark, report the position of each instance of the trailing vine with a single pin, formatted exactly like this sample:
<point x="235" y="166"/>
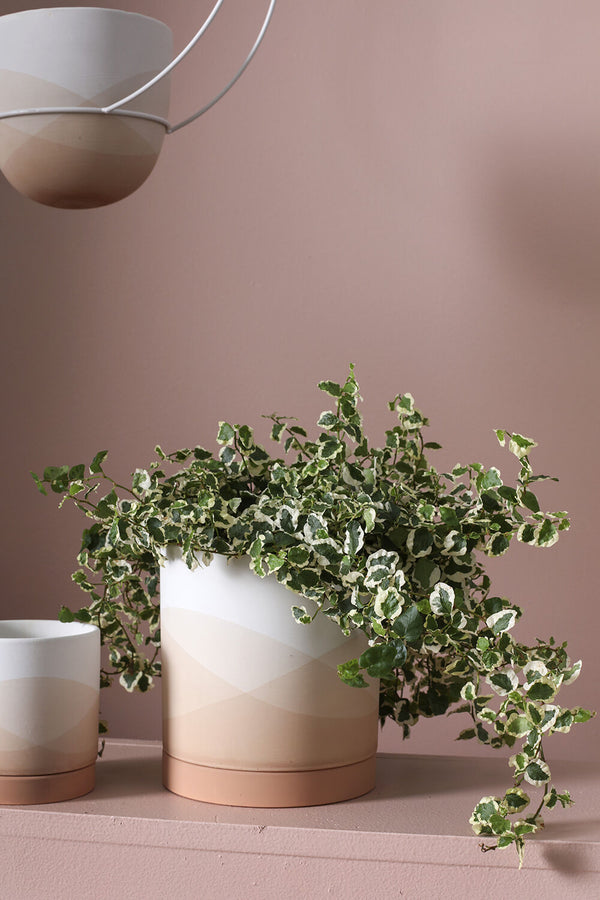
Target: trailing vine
<point x="375" y="538"/>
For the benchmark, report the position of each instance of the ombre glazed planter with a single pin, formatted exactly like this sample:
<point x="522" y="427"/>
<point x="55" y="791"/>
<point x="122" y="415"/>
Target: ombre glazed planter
<point x="254" y="713"/>
<point x="49" y="689"/>
<point x="84" y="57"/>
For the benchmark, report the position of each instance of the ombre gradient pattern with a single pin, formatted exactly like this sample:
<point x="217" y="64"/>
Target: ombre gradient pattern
<point x="59" y="732"/>
<point x="83" y="58"/>
<point x="73" y="161"/>
<point x="245" y="686"/>
<point x="49" y="693"/>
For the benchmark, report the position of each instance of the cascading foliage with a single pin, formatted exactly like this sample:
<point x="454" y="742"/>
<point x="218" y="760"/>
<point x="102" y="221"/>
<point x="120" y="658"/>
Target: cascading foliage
<point x="372" y="537"/>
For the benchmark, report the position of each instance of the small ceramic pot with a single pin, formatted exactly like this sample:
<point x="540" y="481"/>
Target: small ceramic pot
<point x="83" y="57"/>
<point x="49" y="690"/>
<point x="254" y="712"/>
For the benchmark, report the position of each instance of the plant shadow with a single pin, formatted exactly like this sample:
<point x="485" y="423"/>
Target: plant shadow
<point x="569" y="860"/>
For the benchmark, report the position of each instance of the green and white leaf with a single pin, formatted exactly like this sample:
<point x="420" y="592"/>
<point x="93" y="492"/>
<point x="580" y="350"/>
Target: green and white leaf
<point x="502" y="621"/>
<point x="354" y="538"/>
<point x="572" y="674"/>
<point x="503" y="681"/>
<point x="537" y="773"/>
<point x="441" y="599"/>
<point x="520" y="445"/>
<point x="518" y="726"/>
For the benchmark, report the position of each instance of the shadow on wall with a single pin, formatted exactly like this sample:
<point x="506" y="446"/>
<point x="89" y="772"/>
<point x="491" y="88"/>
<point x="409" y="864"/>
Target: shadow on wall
<point x="545" y="204"/>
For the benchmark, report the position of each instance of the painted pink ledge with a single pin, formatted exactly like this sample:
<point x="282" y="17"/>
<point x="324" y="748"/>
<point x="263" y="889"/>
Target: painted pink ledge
<point x="408" y="838"/>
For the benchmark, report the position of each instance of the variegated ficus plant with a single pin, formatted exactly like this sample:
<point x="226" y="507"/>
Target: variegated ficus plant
<point x="379" y="540"/>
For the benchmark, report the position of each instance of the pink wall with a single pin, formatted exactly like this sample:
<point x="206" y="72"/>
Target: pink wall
<point x="414" y="187"/>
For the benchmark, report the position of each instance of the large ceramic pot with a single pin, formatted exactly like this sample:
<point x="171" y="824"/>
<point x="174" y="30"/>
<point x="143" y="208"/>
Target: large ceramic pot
<point x="49" y="687"/>
<point x="84" y="57"/>
<point x="254" y="713"/>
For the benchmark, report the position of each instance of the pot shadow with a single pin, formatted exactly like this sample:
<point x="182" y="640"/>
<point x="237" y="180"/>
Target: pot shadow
<point x="118" y="778"/>
<point x="404" y="775"/>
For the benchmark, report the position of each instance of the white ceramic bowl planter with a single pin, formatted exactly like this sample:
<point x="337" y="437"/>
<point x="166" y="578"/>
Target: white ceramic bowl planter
<point x="85" y="58"/>
<point x="84" y="95"/>
<point x="254" y="713"/>
<point x="49" y="688"/>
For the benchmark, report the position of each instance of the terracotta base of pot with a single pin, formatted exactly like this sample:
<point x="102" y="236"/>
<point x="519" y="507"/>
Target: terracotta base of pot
<point x="268" y="790"/>
<point x="21" y="790"/>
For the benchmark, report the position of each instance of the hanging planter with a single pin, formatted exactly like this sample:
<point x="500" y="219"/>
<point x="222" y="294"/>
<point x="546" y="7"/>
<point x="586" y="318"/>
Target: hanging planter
<point x="254" y="712"/>
<point x="49" y="687"/>
<point x="84" y="96"/>
<point x="84" y="58"/>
